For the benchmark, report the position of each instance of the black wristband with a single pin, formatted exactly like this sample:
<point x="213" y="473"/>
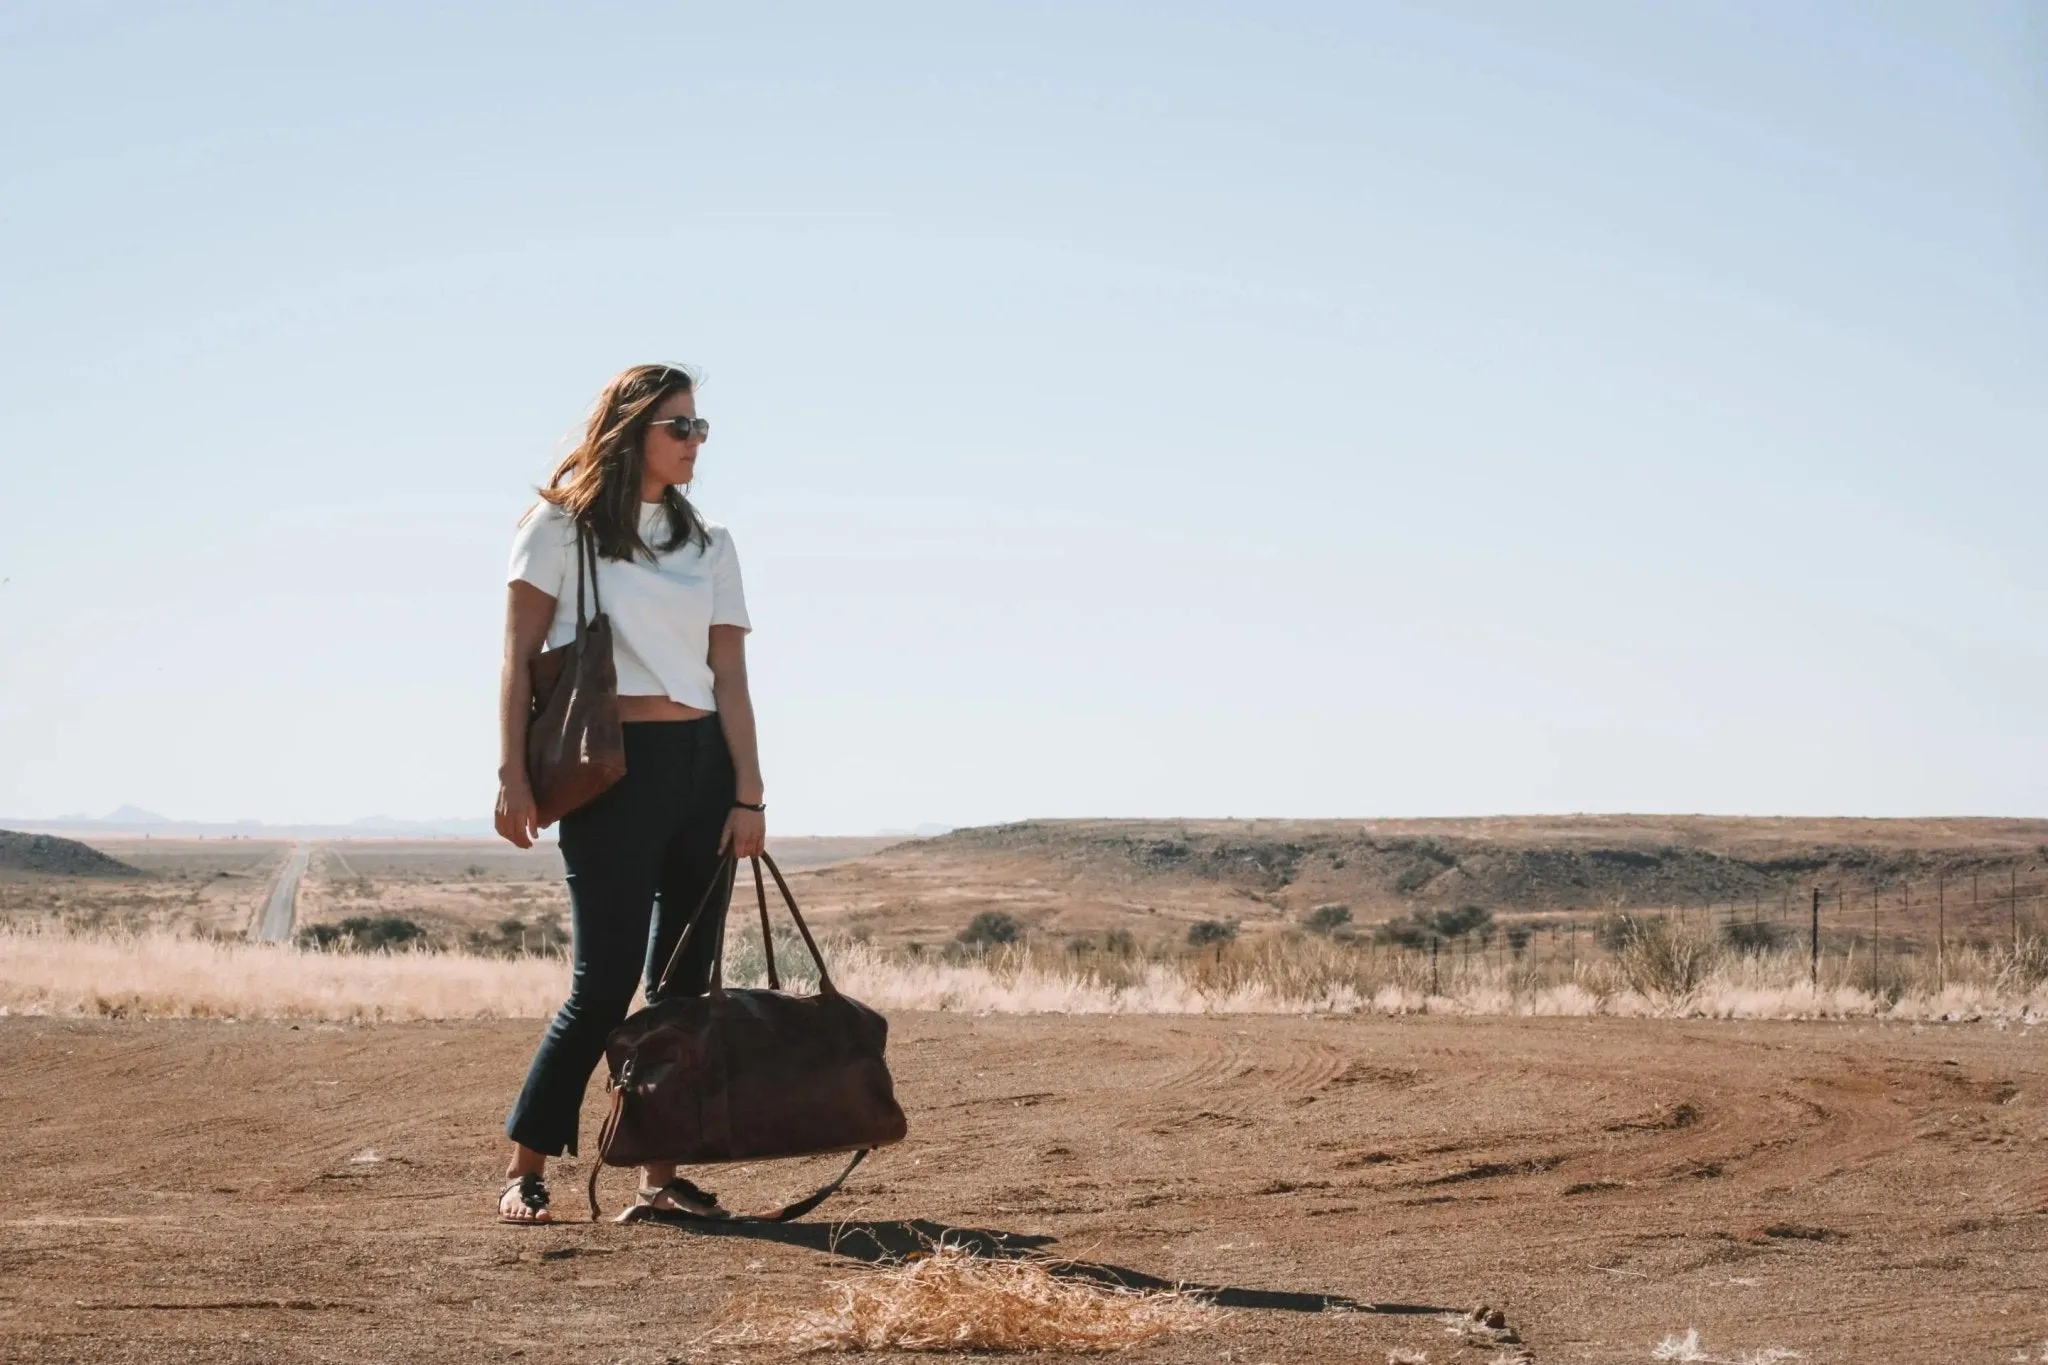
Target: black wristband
<point x="750" y="805"/>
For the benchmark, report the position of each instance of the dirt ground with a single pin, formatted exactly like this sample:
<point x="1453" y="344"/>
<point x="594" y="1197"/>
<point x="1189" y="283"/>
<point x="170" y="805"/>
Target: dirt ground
<point x="1856" y="1193"/>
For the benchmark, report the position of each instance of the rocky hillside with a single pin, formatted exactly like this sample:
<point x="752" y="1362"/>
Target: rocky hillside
<point x="46" y="855"/>
<point x="1083" y="875"/>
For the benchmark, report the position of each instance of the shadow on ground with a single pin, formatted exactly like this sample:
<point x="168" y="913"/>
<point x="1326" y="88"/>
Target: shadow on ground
<point x="883" y="1243"/>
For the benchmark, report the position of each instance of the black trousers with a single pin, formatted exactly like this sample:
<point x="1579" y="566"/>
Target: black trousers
<point x="643" y="854"/>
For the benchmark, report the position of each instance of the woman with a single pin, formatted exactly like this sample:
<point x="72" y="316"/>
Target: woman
<point x="645" y="853"/>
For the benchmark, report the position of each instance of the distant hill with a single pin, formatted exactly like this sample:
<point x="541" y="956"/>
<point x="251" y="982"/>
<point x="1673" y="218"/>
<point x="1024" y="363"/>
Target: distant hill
<point x="1083" y="876"/>
<point x="47" y="855"/>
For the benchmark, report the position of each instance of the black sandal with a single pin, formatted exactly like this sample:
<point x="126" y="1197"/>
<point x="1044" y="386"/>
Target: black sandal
<point x="533" y="1193"/>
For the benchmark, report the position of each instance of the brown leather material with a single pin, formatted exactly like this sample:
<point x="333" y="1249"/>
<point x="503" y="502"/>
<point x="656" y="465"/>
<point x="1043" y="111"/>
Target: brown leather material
<point x="748" y="1075"/>
<point x="575" y="746"/>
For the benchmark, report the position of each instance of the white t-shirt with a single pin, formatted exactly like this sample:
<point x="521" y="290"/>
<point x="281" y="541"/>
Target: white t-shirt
<point x="661" y="611"/>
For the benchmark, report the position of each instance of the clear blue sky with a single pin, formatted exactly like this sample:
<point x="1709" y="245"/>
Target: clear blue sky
<point x="1143" y="409"/>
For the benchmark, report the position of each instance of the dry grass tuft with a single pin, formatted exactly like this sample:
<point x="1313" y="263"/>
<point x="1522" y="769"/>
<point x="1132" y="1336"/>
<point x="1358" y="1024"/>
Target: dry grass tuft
<point x="1687" y="1351"/>
<point x="952" y="1300"/>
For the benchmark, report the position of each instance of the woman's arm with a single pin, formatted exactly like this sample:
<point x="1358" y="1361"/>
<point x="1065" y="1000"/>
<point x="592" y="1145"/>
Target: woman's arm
<point x="746" y="831"/>
<point x="528" y="613"/>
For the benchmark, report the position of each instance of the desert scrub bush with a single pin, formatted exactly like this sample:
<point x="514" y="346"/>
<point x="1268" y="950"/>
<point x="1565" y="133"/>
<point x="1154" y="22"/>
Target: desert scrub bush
<point x="2024" y="967"/>
<point x="1207" y="932"/>
<point x="1756" y="936"/>
<point x="363" y="934"/>
<point x="1659" y="959"/>
<point x="514" y="936"/>
<point x="1417" y="928"/>
<point x="746" y="964"/>
<point x="1618" y="928"/>
<point x="1886" y="976"/>
<point x="1413" y="879"/>
<point x="1327" y="919"/>
<point x="992" y="928"/>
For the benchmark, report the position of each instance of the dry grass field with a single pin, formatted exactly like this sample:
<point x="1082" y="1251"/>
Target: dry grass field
<point x="1855" y="1193"/>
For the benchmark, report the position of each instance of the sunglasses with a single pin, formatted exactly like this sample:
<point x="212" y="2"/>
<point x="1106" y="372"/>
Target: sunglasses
<point x="686" y="428"/>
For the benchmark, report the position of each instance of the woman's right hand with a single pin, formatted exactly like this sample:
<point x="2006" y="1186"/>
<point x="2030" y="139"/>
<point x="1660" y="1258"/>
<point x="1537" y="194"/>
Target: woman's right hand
<point x="518" y="819"/>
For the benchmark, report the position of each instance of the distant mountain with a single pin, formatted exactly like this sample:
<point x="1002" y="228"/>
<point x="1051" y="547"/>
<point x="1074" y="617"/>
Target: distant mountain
<point x="136" y="820"/>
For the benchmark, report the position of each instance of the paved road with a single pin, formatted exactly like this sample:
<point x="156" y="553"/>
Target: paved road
<point x="276" y="925"/>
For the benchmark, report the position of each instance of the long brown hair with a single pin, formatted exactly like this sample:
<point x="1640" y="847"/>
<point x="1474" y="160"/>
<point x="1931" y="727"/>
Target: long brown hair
<point x="598" y="483"/>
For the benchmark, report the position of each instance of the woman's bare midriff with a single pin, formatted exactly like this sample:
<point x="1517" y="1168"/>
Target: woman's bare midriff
<point x="657" y="708"/>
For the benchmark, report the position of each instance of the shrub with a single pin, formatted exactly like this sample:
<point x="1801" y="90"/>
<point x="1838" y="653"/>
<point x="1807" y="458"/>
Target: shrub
<point x="1413" y="879"/>
<point x="990" y="928"/>
<point x="1466" y="919"/>
<point x="1519" y="936"/>
<point x="1657" y="958"/>
<point x="1327" y="919"/>
<point x="1755" y="936"/>
<point x="1406" y="931"/>
<point x="1616" y="931"/>
<point x="363" y="934"/>
<point x="1202" y="933"/>
<point x="514" y="937"/>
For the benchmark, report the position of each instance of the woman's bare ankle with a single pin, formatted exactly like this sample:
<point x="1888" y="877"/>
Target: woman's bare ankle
<point x="525" y="1161"/>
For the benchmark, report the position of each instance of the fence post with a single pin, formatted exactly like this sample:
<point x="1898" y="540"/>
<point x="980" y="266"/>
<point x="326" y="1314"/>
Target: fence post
<point x="1813" y="972"/>
<point x="1941" y="933"/>
<point x="1432" y="964"/>
<point x="2013" y="908"/>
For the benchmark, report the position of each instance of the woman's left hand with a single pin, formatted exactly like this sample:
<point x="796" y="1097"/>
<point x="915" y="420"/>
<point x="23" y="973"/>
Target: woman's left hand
<point x="746" y="833"/>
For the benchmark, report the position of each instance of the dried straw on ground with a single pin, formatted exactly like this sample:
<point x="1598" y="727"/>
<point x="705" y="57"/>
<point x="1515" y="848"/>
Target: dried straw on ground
<point x="952" y="1300"/>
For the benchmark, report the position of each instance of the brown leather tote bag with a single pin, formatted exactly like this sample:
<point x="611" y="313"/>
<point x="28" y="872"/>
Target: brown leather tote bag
<point x="575" y="748"/>
<point x="745" y="1075"/>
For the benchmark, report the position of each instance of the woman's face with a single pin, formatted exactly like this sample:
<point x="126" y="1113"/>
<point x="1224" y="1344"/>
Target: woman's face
<point x="665" y="458"/>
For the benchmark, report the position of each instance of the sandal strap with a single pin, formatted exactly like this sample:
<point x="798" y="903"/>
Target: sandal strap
<point x="533" y="1191"/>
<point x="679" y="1190"/>
<point x="691" y="1189"/>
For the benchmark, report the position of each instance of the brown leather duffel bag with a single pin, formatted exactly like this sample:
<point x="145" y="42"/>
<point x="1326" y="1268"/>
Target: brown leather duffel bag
<point x="746" y="1075"/>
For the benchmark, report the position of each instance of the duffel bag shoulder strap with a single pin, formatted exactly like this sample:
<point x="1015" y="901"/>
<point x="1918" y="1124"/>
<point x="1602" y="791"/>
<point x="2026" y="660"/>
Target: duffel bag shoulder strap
<point x="786" y="1213"/>
<point x="721" y="884"/>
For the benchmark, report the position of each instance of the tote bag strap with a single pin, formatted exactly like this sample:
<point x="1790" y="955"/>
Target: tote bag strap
<point x="586" y="555"/>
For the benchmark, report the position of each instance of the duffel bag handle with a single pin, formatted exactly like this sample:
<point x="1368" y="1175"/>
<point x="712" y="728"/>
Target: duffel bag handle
<point x="722" y="880"/>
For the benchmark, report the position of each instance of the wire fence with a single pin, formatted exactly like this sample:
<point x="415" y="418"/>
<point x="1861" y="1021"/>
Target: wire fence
<point x="1868" y="929"/>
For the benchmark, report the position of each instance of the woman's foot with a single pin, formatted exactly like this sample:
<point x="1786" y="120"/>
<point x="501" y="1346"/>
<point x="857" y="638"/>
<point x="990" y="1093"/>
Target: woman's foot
<point x="525" y="1200"/>
<point x="677" y="1196"/>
